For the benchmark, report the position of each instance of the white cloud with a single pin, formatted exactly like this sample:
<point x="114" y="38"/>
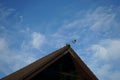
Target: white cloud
<point x="99" y="19"/>
<point x="106" y="53"/>
<point x="25" y="31"/>
<point x="13" y="59"/>
<point x="3" y="44"/>
<point x="13" y="56"/>
<point x="115" y="75"/>
<point x="5" y="12"/>
<point x="100" y="22"/>
<point x="21" y="19"/>
<point x="37" y="40"/>
<point x="105" y="60"/>
<point x="107" y="49"/>
<point x="100" y="51"/>
<point x="102" y="19"/>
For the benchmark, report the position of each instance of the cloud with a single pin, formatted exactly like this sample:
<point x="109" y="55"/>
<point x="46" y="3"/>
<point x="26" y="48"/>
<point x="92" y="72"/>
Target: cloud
<point x="99" y="19"/>
<point x="21" y="19"/>
<point x="13" y="59"/>
<point x="93" y="24"/>
<point x="4" y="12"/>
<point x="37" y="40"/>
<point x="85" y="29"/>
<point x="3" y="44"/>
<point x="108" y="49"/>
<point x="105" y="60"/>
<point x="102" y="19"/>
<point x="34" y="40"/>
<point x="12" y="56"/>
<point x="89" y="27"/>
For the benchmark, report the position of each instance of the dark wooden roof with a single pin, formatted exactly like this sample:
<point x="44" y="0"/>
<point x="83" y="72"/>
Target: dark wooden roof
<point x="36" y="67"/>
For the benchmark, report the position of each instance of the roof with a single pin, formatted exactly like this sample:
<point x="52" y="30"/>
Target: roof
<point x="36" y="67"/>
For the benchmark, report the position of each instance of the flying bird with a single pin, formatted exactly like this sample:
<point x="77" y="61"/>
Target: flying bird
<point x="74" y="41"/>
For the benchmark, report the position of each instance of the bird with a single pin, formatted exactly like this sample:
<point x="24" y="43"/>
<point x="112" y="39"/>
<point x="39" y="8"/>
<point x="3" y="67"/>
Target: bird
<point x="74" y="41"/>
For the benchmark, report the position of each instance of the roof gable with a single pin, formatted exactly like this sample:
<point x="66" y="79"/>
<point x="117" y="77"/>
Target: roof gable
<point x="40" y="66"/>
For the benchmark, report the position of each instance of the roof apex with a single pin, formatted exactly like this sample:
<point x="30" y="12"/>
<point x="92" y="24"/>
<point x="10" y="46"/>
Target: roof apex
<point x="68" y="45"/>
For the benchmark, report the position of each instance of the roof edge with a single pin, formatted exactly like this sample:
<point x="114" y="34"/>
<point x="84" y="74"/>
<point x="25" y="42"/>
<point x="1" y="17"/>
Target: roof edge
<point x="23" y="72"/>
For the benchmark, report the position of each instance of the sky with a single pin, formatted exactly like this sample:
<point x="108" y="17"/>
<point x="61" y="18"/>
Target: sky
<point x="31" y="29"/>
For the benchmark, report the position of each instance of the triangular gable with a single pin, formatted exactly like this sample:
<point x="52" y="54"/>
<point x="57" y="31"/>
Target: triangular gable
<point x="50" y="65"/>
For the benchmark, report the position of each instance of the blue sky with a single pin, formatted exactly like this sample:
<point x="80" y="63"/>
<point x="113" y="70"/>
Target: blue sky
<point x="31" y="29"/>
